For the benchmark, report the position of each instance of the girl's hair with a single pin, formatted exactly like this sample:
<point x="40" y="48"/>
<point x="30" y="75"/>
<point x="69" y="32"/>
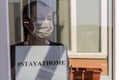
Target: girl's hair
<point x="28" y="7"/>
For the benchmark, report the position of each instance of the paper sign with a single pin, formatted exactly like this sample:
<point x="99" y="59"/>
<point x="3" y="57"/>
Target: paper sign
<point x="41" y="63"/>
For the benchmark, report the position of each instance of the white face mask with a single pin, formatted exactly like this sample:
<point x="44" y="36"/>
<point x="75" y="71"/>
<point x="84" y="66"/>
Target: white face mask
<point x="43" y="29"/>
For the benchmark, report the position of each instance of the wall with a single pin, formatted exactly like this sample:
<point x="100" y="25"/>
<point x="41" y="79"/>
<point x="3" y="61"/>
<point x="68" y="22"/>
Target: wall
<point x="90" y="63"/>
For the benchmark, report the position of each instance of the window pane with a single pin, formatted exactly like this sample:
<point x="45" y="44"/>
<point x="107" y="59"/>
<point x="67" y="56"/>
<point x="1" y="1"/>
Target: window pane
<point x="63" y="27"/>
<point x="88" y="26"/>
<point x="15" y="22"/>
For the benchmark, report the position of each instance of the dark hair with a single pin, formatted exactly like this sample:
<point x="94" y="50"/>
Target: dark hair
<point x="28" y="9"/>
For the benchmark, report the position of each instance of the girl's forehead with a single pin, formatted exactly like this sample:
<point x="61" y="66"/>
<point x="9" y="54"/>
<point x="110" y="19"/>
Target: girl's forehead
<point x="41" y="10"/>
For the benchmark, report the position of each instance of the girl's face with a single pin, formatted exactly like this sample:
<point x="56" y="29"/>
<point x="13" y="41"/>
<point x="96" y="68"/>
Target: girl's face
<point x="38" y="15"/>
<point x="41" y="21"/>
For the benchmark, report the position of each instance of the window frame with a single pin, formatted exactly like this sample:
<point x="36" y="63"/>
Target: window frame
<point x="73" y="52"/>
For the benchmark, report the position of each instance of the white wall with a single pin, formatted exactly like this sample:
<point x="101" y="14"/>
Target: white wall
<point x="4" y="42"/>
<point x="117" y="39"/>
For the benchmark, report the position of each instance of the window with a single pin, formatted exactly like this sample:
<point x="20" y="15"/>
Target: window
<point x="15" y="16"/>
<point x="84" y="27"/>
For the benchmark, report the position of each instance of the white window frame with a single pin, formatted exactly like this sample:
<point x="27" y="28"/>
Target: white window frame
<point x="5" y="73"/>
<point x="73" y="52"/>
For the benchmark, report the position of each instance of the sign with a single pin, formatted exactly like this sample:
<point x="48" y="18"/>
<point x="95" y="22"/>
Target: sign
<point x="41" y="63"/>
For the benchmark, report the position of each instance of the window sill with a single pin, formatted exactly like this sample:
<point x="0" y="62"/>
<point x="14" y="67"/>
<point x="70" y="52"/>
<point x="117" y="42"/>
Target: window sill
<point x="93" y="56"/>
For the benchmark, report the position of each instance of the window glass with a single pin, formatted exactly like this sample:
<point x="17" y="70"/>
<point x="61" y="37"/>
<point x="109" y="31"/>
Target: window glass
<point x="17" y="31"/>
<point x="88" y="26"/>
<point x="15" y="22"/>
<point x="63" y="27"/>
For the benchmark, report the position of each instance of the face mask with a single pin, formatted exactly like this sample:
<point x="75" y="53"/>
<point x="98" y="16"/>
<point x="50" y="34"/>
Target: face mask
<point x="43" y="29"/>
